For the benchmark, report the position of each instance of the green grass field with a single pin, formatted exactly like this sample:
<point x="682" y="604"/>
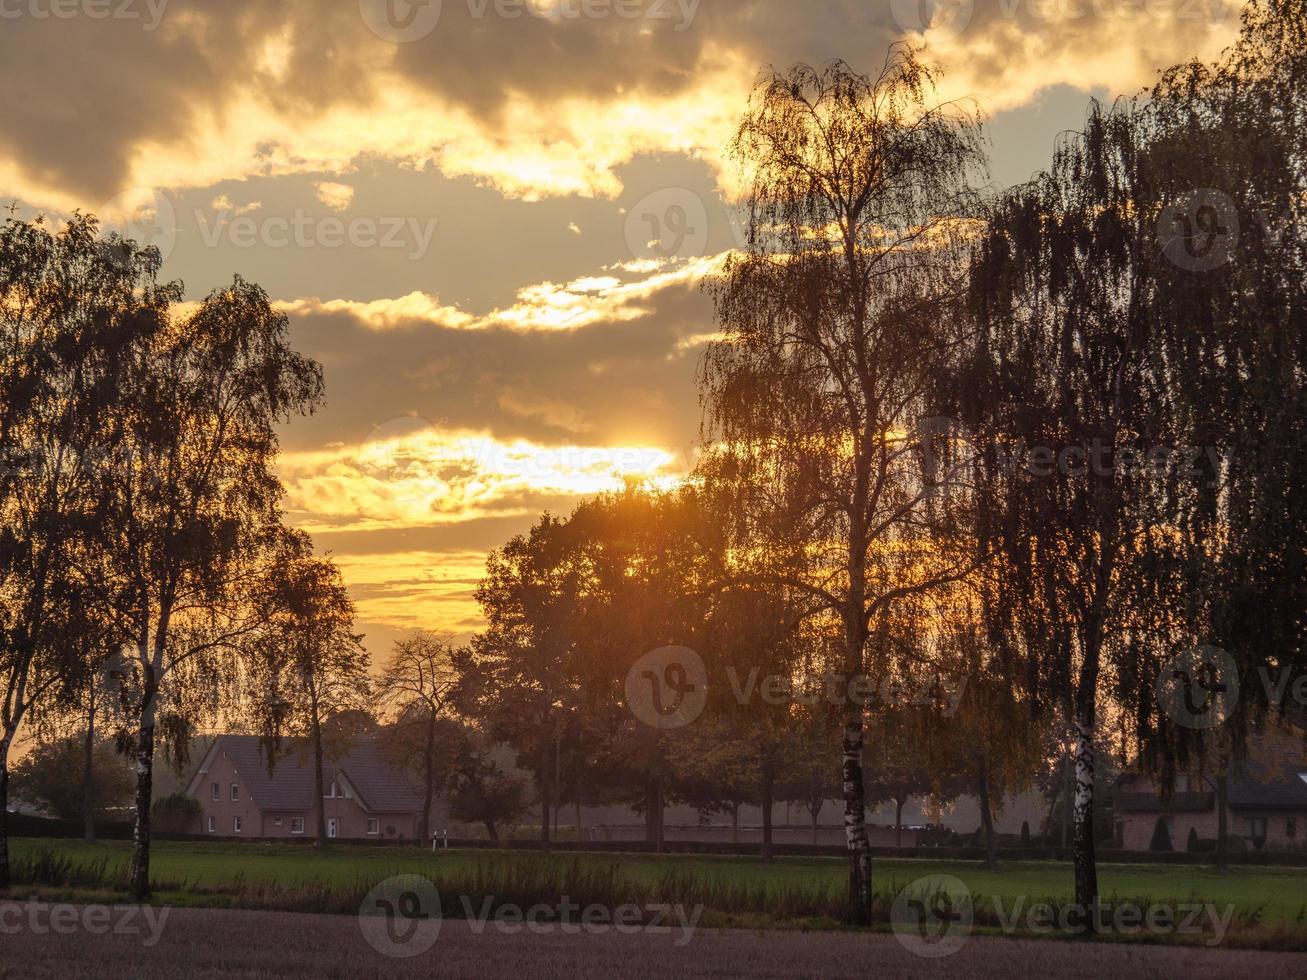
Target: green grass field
<point x="735" y="891"/>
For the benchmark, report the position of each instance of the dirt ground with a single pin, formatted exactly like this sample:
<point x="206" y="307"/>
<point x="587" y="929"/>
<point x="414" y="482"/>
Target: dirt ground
<point x="198" y="943"/>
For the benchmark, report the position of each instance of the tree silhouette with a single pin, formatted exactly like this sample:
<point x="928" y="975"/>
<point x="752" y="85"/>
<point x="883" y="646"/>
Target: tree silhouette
<point x="832" y="323"/>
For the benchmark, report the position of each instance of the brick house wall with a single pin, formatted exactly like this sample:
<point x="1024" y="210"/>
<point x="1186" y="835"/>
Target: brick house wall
<point x="219" y="781"/>
<point x="1285" y="828"/>
<point x="224" y="797"/>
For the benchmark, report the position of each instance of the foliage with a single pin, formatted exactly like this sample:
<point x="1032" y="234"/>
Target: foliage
<point x="833" y="325"/>
<point x="50" y="776"/>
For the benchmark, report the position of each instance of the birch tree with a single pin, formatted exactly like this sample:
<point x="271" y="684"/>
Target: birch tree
<point x="832" y="324"/>
<point x="193" y="508"/>
<point x="67" y="307"/>
<point x="1064" y="367"/>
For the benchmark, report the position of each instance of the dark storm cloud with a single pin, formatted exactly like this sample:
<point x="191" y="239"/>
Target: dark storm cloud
<point x="85" y="92"/>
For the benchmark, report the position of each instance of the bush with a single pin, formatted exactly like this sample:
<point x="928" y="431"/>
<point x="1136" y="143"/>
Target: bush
<point x="1161" y="837"/>
<point x="175" y="814"/>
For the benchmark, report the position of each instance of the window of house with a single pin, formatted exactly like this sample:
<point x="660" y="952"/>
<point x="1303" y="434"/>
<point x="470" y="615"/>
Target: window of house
<point x="276" y="821"/>
<point x="235" y="791"/>
<point x="236" y="825"/>
<point x="374" y="825"/>
<point x="297" y="825"/>
<point x="217" y="791"/>
<point x="1257" y="828"/>
<point x="1291" y="828"/>
<point x="212" y="825"/>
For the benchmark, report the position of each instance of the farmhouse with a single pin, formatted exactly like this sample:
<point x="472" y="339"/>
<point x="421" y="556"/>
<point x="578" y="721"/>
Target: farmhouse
<point x="1266" y="808"/>
<point x="364" y="797"/>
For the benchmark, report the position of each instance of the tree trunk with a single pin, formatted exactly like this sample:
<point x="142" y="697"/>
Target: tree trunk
<point x="855" y="820"/>
<point x="1086" y="865"/>
<point x="1068" y="803"/>
<point x="735" y="823"/>
<point x="88" y="772"/>
<point x="545" y="801"/>
<point x="653" y="817"/>
<point x="1222" y="819"/>
<point x="768" y="790"/>
<point x="424" y="828"/>
<point x="139" y="887"/>
<point x="986" y="814"/>
<point x="816" y="816"/>
<point x="492" y="830"/>
<point x="577" y="803"/>
<point x="898" y="823"/>
<point x="1052" y="808"/>
<point x="318" y="789"/>
<point x="4" y="811"/>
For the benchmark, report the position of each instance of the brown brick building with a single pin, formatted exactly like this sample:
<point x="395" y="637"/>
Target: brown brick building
<point x="365" y="798"/>
<point x="1266" y="807"/>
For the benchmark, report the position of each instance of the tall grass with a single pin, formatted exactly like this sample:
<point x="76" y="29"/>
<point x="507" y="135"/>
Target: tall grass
<point x="496" y="881"/>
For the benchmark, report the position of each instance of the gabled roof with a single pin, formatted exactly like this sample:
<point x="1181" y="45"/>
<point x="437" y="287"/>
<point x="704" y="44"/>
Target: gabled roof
<point x="1269" y="789"/>
<point x="379" y="786"/>
<point x="1178" y="803"/>
<point x="1254" y="788"/>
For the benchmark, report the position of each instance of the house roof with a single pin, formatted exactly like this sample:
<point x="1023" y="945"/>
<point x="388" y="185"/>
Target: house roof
<point x="1269" y="789"/>
<point x="1256" y="788"/>
<point x="379" y="786"/>
<point x="1178" y="803"/>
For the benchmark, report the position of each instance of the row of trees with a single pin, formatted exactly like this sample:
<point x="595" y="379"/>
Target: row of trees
<point x="567" y="602"/>
<point x="141" y="543"/>
<point x="1142" y="295"/>
<point x="926" y="419"/>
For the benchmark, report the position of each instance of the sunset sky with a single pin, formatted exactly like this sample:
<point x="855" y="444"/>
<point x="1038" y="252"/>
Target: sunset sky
<point x="490" y="221"/>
